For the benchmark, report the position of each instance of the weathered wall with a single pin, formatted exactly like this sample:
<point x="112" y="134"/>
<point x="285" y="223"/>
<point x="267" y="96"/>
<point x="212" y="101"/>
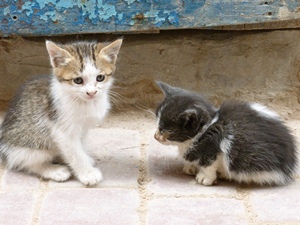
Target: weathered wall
<point x="256" y="66"/>
<point x="52" y="17"/>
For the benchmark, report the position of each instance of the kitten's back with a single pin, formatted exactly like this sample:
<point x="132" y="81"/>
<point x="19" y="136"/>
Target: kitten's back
<point x="260" y="140"/>
<point x="25" y="123"/>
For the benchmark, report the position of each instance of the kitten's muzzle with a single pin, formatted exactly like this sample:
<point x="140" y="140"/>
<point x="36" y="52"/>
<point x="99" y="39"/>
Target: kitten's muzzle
<point x="160" y="136"/>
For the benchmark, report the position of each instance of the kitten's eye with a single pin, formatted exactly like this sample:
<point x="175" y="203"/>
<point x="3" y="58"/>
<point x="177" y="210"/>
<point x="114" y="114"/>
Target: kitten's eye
<point x="78" y="80"/>
<point x="100" y="78"/>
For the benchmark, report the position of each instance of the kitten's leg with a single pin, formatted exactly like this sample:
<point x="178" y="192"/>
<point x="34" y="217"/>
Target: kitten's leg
<point x="82" y="165"/>
<point x="74" y="154"/>
<point x="206" y="150"/>
<point x="84" y="140"/>
<point x="208" y="175"/>
<point x="37" y="162"/>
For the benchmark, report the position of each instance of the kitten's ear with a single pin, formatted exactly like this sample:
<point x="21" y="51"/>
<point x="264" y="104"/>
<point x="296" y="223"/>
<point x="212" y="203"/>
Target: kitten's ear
<point x="58" y="56"/>
<point x="110" y="52"/>
<point x="167" y="89"/>
<point x="189" y="117"/>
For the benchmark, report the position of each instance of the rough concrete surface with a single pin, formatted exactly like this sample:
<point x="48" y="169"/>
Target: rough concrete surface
<point x="143" y="185"/>
<point x="143" y="180"/>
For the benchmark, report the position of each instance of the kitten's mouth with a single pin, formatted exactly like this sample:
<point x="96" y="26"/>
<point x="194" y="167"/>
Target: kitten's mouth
<point x="90" y="97"/>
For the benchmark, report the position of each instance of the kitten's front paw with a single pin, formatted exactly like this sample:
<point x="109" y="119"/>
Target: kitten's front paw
<point x="202" y="178"/>
<point x="90" y="177"/>
<point x="190" y="169"/>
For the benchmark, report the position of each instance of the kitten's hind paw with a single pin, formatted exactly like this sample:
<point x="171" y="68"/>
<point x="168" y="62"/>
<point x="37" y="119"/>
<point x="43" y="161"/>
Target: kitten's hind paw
<point x="56" y="172"/>
<point x="90" y="177"/>
<point x="190" y="169"/>
<point x="201" y="178"/>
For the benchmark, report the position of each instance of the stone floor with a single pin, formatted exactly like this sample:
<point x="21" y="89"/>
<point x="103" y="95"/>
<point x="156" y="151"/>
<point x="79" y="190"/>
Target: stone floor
<point x="143" y="184"/>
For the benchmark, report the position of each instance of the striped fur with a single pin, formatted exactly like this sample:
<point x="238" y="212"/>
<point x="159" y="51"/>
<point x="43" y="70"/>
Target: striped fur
<point x="50" y="116"/>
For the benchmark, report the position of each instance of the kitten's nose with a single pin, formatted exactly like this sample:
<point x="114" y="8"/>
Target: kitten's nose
<point x="158" y="136"/>
<point x="91" y="93"/>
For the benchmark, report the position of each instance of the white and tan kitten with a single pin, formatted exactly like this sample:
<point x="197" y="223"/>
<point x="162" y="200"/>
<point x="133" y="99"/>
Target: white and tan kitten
<point x="50" y="116"/>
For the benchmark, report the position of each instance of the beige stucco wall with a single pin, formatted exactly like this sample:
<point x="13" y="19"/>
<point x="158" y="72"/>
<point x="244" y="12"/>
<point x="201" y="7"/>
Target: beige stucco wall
<point x="258" y="66"/>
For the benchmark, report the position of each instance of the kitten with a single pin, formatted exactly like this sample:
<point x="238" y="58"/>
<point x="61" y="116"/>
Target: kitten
<point x="241" y="141"/>
<point x="50" y="116"/>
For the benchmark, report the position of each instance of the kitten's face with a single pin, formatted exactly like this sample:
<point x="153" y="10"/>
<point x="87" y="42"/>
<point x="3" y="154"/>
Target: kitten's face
<point x="84" y="69"/>
<point x="175" y="125"/>
<point x="180" y="116"/>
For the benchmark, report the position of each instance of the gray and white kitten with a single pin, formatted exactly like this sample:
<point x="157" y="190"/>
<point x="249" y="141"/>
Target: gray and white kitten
<point x="50" y="116"/>
<point x="240" y="141"/>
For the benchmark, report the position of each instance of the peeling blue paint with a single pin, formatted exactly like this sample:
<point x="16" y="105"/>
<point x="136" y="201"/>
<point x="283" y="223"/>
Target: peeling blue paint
<point x="173" y="18"/>
<point x="49" y="15"/>
<point x="120" y="16"/>
<point x="129" y="2"/>
<point x="154" y="16"/>
<point x="28" y="7"/>
<point x="107" y="13"/>
<point x="6" y="11"/>
<point x="59" y="4"/>
<point x="57" y="17"/>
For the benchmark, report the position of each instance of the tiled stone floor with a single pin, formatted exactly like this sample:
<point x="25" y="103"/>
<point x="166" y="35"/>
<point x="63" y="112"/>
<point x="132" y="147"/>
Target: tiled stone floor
<point x="143" y="184"/>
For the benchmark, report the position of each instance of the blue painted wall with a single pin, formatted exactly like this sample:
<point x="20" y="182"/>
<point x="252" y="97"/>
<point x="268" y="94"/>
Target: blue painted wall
<point x="58" y="17"/>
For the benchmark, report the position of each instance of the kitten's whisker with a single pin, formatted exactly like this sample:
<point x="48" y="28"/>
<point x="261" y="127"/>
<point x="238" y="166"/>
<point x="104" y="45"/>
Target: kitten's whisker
<point x="73" y="100"/>
<point x="116" y="98"/>
<point x="144" y="108"/>
<point x="116" y="103"/>
<point x="116" y="95"/>
<point x="119" y="98"/>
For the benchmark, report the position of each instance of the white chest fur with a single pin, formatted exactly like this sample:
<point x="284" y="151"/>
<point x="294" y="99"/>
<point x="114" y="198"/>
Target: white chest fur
<point x="76" y="112"/>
